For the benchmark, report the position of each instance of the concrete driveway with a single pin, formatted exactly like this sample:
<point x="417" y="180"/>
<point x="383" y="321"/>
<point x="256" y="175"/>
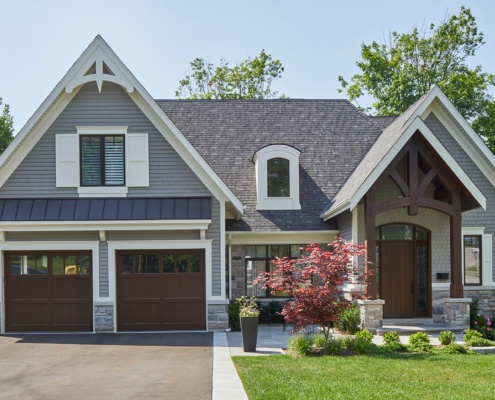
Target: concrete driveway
<point x="106" y="366"/>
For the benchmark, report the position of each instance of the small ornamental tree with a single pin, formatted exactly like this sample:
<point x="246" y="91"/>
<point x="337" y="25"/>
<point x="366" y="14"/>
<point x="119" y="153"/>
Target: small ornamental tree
<point x="314" y="283"/>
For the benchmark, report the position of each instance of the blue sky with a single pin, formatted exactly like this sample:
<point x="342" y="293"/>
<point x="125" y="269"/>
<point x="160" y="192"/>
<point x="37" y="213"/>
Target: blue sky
<point x="316" y="40"/>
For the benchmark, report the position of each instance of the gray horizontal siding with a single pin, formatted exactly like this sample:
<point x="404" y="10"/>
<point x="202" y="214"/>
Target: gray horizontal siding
<point x="214" y="233"/>
<point x="170" y="176"/>
<point x="345" y="226"/>
<point x="478" y="217"/>
<point x="103" y="269"/>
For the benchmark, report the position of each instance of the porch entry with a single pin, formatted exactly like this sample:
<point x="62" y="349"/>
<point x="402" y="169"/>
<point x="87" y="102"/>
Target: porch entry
<point x="403" y="270"/>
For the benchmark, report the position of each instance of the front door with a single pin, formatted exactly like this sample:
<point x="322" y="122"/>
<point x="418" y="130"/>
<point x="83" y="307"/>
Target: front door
<point x="398" y="279"/>
<point x="403" y="270"/>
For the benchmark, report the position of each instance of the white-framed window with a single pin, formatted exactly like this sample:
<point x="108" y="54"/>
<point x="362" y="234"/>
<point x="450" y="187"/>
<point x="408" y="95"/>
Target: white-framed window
<point x="477" y="257"/>
<point x="102" y="160"/>
<point x="277" y="178"/>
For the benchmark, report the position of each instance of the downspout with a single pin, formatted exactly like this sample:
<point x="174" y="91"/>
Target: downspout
<point x="230" y="266"/>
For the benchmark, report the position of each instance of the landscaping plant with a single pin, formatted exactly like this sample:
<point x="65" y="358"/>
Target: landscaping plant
<point x="391" y="337"/>
<point x="446" y="338"/>
<point x="313" y="282"/>
<point x="420" y="342"/>
<point x="248" y="306"/>
<point x="349" y="320"/>
<point x="363" y="339"/>
<point x="234" y="321"/>
<point x="473" y="338"/>
<point x="301" y="344"/>
<point x="334" y="346"/>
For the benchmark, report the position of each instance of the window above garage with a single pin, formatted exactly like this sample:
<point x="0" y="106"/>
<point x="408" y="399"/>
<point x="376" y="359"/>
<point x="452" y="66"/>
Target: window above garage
<point x="102" y="161"/>
<point x="277" y="178"/>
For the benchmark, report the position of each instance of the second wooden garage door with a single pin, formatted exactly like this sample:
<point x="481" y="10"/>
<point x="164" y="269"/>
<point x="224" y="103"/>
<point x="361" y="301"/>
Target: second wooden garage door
<point x="161" y="290"/>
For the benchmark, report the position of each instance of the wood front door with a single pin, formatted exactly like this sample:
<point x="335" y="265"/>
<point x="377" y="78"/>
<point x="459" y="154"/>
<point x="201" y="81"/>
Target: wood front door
<point x="398" y="283"/>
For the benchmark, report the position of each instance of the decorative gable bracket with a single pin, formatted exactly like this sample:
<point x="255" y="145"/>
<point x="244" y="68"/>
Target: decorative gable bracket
<point x="98" y="67"/>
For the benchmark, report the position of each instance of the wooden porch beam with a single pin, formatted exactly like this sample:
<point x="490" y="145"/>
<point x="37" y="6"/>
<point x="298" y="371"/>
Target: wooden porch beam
<point x="370" y="289"/>
<point x="456" y="287"/>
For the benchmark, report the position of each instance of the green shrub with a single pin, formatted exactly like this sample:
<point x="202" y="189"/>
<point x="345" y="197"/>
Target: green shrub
<point x="363" y="341"/>
<point x="350" y="343"/>
<point x="420" y="342"/>
<point x="334" y="347"/>
<point x="455" y="348"/>
<point x="391" y="337"/>
<point x="319" y="341"/>
<point x="446" y="338"/>
<point x="474" y="338"/>
<point x="349" y="320"/>
<point x="301" y="344"/>
<point x="395" y="347"/>
<point x="234" y="321"/>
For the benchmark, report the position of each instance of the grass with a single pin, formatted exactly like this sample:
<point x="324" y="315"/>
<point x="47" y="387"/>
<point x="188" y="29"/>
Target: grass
<point x="398" y="376"/>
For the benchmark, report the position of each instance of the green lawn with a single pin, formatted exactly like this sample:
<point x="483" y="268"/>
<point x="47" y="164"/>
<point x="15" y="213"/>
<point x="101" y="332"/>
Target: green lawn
<point x="405" y="376"/>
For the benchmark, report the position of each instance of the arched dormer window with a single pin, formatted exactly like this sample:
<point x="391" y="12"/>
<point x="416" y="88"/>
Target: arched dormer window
<point x="277" y="178"/>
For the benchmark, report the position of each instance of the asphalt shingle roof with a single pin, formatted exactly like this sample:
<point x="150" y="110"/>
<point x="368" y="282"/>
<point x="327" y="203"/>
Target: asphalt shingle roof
<point x="332" y="135"/>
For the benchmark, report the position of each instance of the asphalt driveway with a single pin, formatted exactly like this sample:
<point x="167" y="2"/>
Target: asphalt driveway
<point x="106" y="366"/>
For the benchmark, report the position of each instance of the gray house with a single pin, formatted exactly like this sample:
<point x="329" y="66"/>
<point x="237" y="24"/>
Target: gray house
<point x="119" y="212"/>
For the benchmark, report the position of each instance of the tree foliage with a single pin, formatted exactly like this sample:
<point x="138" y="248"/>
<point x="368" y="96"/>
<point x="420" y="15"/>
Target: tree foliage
<point x="398" y="73"/>
<point x="249" y="79"/>
<point x="6" y="127"/>
<point x="314" y="282"/>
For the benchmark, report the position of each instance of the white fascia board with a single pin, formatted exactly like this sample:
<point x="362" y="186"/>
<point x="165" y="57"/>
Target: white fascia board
<point x="437" y="93"/>
<point x="288" y="237"/>
<point x="485" y="165"/>
<point x="333" y="213"/>
<point x="182" y="146"/>
<point x="152" y="225"/>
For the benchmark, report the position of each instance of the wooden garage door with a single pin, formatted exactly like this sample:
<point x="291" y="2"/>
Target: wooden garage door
<point x="161" y="290"/>
<point x="48" y="292"/>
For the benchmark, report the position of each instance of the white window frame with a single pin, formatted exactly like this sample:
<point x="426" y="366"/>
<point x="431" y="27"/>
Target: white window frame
<point x="486" y="256"/>
<point x="261" y="164"/>
<point x="136" y="162"/>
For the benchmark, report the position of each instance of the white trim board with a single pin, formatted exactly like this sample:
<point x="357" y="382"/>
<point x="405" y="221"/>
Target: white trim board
<point x="293" y="237"/>
<point x="137" y="225"/>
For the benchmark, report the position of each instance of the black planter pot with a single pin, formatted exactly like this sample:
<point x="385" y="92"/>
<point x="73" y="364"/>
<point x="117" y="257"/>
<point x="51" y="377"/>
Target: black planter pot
<point x="249" y="328"/>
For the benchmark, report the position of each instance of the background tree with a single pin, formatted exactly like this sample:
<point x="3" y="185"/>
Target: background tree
<point x="249" y="79"/>
<point x="313" y="282"/>
<point x="6" y="127"/>
<point x="400" y="72"/>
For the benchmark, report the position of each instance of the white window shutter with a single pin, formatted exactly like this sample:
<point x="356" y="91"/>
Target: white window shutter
<point x="137" y="160"/>
<point x="67" y="157"/>
<point x="486" y="248"/>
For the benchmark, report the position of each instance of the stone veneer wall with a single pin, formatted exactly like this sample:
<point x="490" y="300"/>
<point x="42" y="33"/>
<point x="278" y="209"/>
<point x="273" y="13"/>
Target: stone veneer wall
<point x="238" y="281"/>
<point x="217" y="317"/>
<point x="486" y="301"/>
<point x="104" y="318"/>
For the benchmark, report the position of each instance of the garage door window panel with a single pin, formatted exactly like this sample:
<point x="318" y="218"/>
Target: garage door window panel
<point x="28" y="265"/>
<point x="70" y="265"/>
<point x="140" y="264"/>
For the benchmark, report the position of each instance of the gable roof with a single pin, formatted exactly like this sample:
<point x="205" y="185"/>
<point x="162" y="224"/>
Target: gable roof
<point x="386" y="148"/>
<point x="99" y="63"/>
<point x="332" y="136"/>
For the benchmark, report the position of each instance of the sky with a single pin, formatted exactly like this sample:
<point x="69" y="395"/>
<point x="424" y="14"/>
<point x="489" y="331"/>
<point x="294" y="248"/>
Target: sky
<point x="316" y="40"/>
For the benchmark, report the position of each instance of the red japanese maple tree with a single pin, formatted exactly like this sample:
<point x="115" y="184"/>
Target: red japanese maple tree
<point x="314" y="282"/>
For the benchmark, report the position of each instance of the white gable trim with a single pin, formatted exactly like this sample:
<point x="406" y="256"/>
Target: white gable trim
<point x="416" y="124"/>
<point x="58" y="99"/>
<point x="486" y="167"/>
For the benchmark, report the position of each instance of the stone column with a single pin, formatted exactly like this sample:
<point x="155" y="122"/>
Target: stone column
<point x="371" y="314"/>
<point x="457" y="312"/>
<point x="104" y="317"/>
